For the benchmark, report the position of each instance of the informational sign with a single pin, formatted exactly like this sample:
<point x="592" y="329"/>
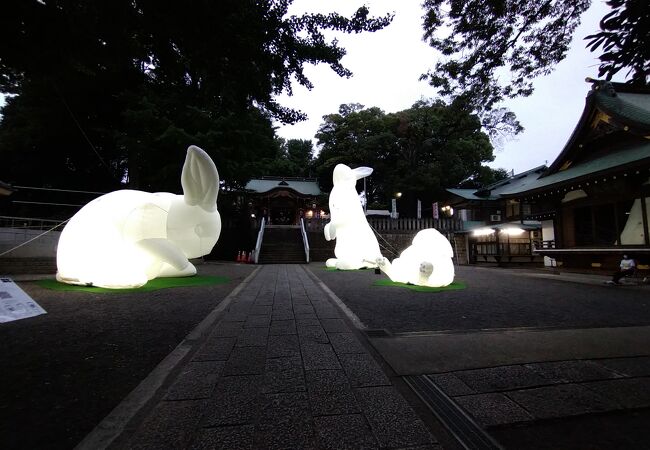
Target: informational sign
<point x="15" y="304"/>
<point x="419" y="209"/>
<point x="393" y="212"/>
<point x="436" y="213"/>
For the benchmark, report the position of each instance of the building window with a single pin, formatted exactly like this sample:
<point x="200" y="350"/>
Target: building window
<point x="512" y="208"/>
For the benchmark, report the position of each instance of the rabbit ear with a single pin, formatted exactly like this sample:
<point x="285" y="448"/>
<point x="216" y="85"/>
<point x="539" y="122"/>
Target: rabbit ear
<point x="200" y="179"/>
<point x="362" y="172"/>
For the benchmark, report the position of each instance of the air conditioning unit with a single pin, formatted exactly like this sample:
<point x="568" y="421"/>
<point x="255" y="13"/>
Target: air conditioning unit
<point x="495" y="217"/>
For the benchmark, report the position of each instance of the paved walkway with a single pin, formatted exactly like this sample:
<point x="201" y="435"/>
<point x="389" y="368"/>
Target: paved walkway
<point x="281" y="368"/>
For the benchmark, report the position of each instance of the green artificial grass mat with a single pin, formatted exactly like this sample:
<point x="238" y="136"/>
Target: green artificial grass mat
<point x="152" y="285"/>
<point x="455" y="286"/>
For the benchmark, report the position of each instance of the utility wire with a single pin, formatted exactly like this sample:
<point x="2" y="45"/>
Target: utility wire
<point x="35" y="237"/>
<point x="392" y="249"/>
<point x="79" y="126"/>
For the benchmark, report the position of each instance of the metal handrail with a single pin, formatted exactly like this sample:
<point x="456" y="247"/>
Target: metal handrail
<point x="36" y="223"/>
<point x="305" y="241"/>
<point x="260" y="237"/>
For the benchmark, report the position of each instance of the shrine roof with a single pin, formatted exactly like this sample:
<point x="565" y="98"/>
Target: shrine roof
<point x="615" y="105"/>
<point x="628" y="157"/>
<point x="495" y="190"/>
<point x="305" y="186"/>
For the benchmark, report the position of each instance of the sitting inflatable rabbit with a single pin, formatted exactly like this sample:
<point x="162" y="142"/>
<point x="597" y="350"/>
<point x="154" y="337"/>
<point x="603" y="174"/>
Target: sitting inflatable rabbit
<point x="356" y="244"/>
<point x="427" y="262"/>
<point x="125" y="238"/>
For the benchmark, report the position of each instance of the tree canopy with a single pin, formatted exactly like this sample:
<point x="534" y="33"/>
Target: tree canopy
<point x="106" y="92"/>
<point x="492" y="50"/>
<point x="418" y="152"/>
<point x="625" y="40"/>
<point x="294" y="158"/>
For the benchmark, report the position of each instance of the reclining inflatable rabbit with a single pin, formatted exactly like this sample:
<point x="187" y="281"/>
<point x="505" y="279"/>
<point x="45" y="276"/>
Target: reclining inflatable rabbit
<point x="427" y="262"/>
<point x="356" y="244"/>
<point x="125" y="238"/>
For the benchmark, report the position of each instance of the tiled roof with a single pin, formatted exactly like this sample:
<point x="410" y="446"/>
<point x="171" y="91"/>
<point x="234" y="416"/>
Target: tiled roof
<point x="494" y="190"/>
<point x="265" y="185"/>
<point x="630" y="156"/>
<point x="468" y="194"/>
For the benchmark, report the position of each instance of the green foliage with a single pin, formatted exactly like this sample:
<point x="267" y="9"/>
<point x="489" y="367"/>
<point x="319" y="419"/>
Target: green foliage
<point x="108" y="90"/>
<point x="625" y="40"/>
<point x="294" y="158"/>
<point x="418" y="152"/>
<point x="481" y="41"/>
<point x="525" y="36"/>
<point x="485" y="176"/>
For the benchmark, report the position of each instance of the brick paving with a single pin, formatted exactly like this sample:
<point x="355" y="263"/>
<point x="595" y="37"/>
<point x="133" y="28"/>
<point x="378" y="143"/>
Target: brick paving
<point x="281" y="369"/>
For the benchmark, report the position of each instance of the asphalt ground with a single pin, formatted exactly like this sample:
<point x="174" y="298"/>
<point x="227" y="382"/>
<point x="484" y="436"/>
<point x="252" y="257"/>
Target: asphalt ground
<point x="63" y="372"/>
<point x="494" y="299"/>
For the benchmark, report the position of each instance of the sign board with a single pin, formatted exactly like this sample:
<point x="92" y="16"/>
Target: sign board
<point x="419" y="209"/>
<point x="436" y="213"/>
<point x="393" y="212"/>
<point x="15" y="304"/>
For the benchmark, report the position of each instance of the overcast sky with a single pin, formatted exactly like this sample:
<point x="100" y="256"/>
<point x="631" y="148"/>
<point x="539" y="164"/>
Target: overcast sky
<point x="388" y="63"/>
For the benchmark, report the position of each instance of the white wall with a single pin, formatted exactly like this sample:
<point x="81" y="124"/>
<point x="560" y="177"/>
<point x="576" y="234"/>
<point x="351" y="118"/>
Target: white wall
<point x="548" y="234"/>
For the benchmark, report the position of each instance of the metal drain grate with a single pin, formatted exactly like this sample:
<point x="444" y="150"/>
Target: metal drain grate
<point x="379" y="332"/>
<point x="464" y="429"/>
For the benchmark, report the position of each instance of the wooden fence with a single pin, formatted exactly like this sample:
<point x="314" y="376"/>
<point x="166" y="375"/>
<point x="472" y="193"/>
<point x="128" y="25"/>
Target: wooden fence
<point x="381" y="224"/>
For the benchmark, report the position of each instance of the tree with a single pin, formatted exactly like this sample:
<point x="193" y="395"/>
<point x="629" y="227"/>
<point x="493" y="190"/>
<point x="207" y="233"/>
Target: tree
<point x="294" y="158"/>
<point x="484" y="177"/>
<point x="481" y="41"/>
<point x="120" y="88"/>
<point x="625" y="40"/>
<point x="418" y="152"/>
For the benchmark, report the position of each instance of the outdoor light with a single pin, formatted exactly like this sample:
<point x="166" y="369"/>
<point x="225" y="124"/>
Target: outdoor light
<point x="125" y="238"/>
<point x="448" y="210"/>
<point x="427" y="262"/>
<point x="512" y="231"/>
<point x="398" y="194"/>
<point x="253" y="216"/>
<point x="482" y="232"/>
<point x="356" y="244"/>
<point x="309" y="214"/>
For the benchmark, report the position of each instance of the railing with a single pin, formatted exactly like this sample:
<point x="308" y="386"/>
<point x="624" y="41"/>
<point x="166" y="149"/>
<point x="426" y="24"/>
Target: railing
<point x="502" y="249"/>
<point x="30" y="223"/>
<point x="258" y="244"/>
<point x="397" y="225"/>
<point x="543" y="245"/>
<point x="305" y="241"/>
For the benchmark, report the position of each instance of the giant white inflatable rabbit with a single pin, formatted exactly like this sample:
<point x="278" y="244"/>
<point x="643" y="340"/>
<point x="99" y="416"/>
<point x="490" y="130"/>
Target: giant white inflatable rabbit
<point x="427" y="262"/>
<point x="356" y="245"/>
<point x="125" y="238"/>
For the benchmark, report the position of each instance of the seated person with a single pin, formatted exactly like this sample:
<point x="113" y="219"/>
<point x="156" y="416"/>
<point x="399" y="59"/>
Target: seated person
<point x="626" y="269"/>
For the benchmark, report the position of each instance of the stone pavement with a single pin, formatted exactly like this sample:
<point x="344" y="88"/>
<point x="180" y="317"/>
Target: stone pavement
<point x="569" y="382"/>
<point x="281" y="368"/>
<point x="548" y="390"/>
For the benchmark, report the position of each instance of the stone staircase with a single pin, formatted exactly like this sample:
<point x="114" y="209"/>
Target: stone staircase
<point x="282" y="245"/>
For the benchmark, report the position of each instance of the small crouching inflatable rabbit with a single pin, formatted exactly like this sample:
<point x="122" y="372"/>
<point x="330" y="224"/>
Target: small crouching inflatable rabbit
<point x="125" y="238"/>
<point x="427" y="262"/>
<point x="356" y="244"/>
